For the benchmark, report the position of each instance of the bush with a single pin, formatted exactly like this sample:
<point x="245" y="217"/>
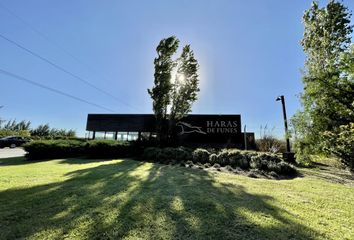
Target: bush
<point x="269" y="143"/>
<point x="167" y="154"/>
<point x="8" y="132"/>
<point x="213" y="158"/>
<point x="51" y="149"/>
<point x="257" y="162"/>
<point x="234" y="158"/>
<point x="302" y="153"/>
<point x="151" y="153"/>
<point x="223" y="157"/>
<point x="341" y="144"/>
<point x="47" y="149"/>
<point x="201" y="155"/>
<point x="110" y="149"/>
<point x="271" y="163"/>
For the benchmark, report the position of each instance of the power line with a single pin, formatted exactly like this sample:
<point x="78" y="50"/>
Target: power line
<point x="63" y="69"/>
<point x="41" y="34"/>
<point x="52" y="89"/>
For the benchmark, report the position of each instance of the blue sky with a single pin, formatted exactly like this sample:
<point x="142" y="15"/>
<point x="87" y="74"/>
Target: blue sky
<point x="248" y="51"/>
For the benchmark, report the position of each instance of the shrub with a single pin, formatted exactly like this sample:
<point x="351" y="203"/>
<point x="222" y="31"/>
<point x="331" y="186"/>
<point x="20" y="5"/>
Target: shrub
<point x="341" y="144"/>
<point x="110" y="149"/>
<point x="167" y="154"/>
<point x="271" y="163"/>
<point x="257" y="162"/>
<point x="285" y="168"/>
<point x="51" y="149"/>
<point x="200" y="155"/>
<point x="46" y="149"/>
<point x="182" y="154"/>
<point x="223" y="157"/>
<point x="234" y="158"/>
<point x="213" y="158"/>
<point x="302" y="153"/>
<point x="269" y="143"/>
<point x="151" y="153"/>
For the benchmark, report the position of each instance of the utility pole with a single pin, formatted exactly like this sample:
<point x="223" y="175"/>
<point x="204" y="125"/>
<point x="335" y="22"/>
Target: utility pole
<point x="288" y="155"/>
<point x="245" y="137"/>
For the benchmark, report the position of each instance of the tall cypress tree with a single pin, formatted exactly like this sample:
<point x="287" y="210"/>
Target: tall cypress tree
<point x="173" y="96"/>
<point x="160" y="93"/>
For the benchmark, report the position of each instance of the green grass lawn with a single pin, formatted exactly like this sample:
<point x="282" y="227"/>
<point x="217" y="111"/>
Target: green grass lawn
<point x="92" y="199"/>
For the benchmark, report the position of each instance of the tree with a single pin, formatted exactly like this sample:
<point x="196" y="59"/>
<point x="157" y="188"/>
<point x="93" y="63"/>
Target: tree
<point x="176" y="94"/>
<point x="186" y="85"/>
<point x="42" y="130"/>
<point x="325" y="105"/>
<point x="160" y="93"/>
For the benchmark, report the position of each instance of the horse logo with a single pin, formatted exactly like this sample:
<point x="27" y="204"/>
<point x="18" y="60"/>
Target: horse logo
<point x="188" y="128"/>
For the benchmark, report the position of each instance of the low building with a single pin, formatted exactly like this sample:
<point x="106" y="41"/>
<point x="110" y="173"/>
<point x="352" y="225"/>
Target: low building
<point x="194" y="129"/>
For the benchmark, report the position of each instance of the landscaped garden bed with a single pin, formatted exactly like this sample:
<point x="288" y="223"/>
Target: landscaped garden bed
<point x="250" y="163"/>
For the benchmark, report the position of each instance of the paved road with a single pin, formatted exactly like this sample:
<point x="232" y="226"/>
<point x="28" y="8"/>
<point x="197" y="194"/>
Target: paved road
<point x="11" y="152"/>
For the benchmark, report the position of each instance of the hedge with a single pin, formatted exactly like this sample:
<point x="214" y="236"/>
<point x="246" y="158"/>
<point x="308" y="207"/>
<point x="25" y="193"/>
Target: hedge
<point x="111" y="149"/>
<point x="47" y="149"/>
<point x="51" y="149"/>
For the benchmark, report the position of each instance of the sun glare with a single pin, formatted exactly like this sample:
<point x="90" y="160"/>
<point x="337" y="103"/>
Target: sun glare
<point x="181" y="78"/>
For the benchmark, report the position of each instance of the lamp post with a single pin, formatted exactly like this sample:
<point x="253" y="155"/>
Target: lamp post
<point x="288" y="155"/>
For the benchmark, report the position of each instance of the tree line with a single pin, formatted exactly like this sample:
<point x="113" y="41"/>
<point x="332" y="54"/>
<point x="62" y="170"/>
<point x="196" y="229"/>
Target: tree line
<point x="23" y="128"/>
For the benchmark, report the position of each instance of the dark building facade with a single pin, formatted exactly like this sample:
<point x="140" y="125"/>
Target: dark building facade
<point x="203" y="129"/>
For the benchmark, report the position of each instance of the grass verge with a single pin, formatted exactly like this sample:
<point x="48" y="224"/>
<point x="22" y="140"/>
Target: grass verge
<point x="113" y="199"/>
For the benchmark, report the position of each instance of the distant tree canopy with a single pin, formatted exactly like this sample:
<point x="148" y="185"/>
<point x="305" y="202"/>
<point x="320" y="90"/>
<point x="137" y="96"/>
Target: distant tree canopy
<point x="23" y="128"/>
<point x="328" y="95"/>
<point x="176" y="84"/>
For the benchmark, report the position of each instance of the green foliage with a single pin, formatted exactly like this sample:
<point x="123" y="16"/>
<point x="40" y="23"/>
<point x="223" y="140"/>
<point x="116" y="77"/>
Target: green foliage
<point x="201" y="155"/>
<point x="20" y="133"/>
<point x="123" y="199"/>
<point x="328" y="97"/>
<point x="165" y="155"/>
<point x="341" y="144"/>
<point x="271" y="163"/>
<point x="233" y="158"/>
<point x="16" y="126"/>
<point x="110" y="149"/>
<point x="44" y="131"/>
<point x="160" y="93"/>
<point x="186" y="85"/>
<point x="49" y="149"/>
<point x="177" y="94"/>
<point x="151" y="153"/>
<point x="213" y="158"/>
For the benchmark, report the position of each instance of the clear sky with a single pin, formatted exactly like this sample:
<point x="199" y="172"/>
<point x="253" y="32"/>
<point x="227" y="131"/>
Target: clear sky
<point x="249" y="53"/>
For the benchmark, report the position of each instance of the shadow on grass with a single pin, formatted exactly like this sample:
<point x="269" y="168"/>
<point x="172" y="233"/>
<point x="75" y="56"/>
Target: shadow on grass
<point x="85" y="160"/>
<point x="12" y="161"/>
<point x="141" y="200"/>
